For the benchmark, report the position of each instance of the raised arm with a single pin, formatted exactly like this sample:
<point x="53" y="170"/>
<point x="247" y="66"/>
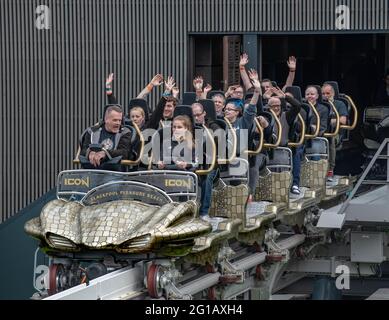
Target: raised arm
<point x="251" y="110"/>
<point x="175" y="92"/>
<point x="244" y="59"/>
<point x="155" y="82"/>
<point x="253" y="74"/>
<point x="156" y="115"/>
<point x="108" y="90"/>
<point x="206" y="90"/>
<point x="230" y="91"/>
<point x="292" y="72"/>
<point x="169" y="85"/>
<point x="198" y="86"/>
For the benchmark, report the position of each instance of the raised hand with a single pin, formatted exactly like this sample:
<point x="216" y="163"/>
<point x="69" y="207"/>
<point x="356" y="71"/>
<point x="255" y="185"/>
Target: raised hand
<point x="230" y="90"/>
<point x="256" y="83"/>
<point x="108" y="81"/>
<point x="170" y="83"/>
<point x="292" y="63"/>
<point x="244" y="59"/>
<point x="198" y="83"/>
<point x="157" y="80"/>
<point x="268" y="93"/>
<point x="253" y="74"/>
<point x="263" y="122"/>
<point x="207" y="88"/>
<point x="175" y="92"/>
<point x="278" y="92"/>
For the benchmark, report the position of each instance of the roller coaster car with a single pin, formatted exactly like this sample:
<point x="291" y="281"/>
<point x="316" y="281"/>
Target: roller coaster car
<point x="224" y="226"/>
<point x="135" y="212"/>
<point x="229" y="199"/>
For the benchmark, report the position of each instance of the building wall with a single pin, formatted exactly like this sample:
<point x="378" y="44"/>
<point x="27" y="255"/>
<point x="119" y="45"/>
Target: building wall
<point x="53" y="79"/>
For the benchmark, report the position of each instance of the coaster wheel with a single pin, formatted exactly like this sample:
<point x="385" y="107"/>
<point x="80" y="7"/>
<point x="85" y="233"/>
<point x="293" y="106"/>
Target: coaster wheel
<point x="274" y="258"/>
<point x="211" y="292"/>
<point x="153" y="277"/>
<point x="56" y="273"/>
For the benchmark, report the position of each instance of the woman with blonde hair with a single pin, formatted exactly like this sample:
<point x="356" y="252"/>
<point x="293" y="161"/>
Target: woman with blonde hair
<point x="137" y="116"/>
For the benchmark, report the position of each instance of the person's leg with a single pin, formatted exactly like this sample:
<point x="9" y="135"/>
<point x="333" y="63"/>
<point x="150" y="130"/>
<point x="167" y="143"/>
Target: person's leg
<point x="297" y="157"/>
<point x="332" y="154"/>
<point x="256" y="164"/>
<point x="206" y="192"/>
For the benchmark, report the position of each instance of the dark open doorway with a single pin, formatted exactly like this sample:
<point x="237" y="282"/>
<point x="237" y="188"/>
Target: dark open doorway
<point x="357" y="62"/>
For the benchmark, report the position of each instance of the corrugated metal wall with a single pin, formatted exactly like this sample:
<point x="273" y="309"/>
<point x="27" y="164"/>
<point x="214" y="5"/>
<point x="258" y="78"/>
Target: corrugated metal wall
<point x="283" y="15"/>
<point x="53" y="80"/>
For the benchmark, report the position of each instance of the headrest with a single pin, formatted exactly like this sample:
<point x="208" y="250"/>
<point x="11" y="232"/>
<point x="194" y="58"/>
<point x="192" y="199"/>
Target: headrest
<point x="295" y="91"/>
<point x="335" y="85"/>
<point x="209" y="108"/>
<point x="189" y="98"/>
<point x="214" y="92"/>
<point x="139" y="103"/>
<point x="183" y="110"/>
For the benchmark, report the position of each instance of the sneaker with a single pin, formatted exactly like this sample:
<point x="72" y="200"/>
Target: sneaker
<point x="330" y="176"/>
<point x="206" y="217"/>
<point x="295" y="190"/>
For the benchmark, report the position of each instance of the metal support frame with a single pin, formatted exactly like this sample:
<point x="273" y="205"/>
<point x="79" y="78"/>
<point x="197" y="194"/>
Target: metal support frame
<point x="128" y="283"/>
<point x="335" y="217"/>
<point x="120" y="284"/>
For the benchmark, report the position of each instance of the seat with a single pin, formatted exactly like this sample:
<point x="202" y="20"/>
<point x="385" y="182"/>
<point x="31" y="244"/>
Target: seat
<point x="214" y="92"/>
<point x="189" y="98"/>
<point x="209" y="108"/>
<point x="351" y="108"/>
<point x="142" y="103"/>
<point x="329" y="111"/>
<point x="138" y="143"/>
<point x="307" y="113"/>
<point x="275" y="181"/>
<point x="183" y="110"/>
<point x="313" y="173"/>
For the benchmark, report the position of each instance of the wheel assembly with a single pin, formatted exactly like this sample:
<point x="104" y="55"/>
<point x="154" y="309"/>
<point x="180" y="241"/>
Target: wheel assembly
<point x="56" y="277"/>
<point x="153" y="281"/>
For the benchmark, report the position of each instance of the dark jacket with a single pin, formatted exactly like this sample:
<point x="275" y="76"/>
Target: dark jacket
<point x="287" y="119"/>
<point x="173" y="151"/>
<point x="121" y="147"/>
